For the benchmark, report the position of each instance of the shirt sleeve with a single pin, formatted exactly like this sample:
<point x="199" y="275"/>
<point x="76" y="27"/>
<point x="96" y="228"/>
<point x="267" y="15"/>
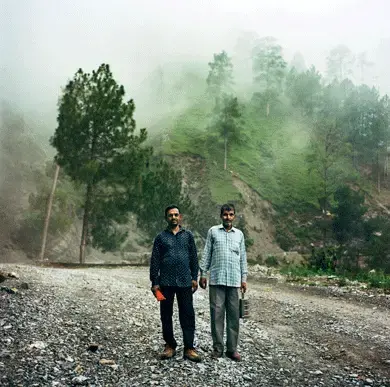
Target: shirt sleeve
<point x="243" y="260"/>
<point x="155" y="262"/>
<point x="194" y="264"/>
<point x="207" y="251"/>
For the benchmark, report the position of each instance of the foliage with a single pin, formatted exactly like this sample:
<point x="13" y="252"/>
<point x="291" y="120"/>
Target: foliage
<point x="328" y="153"/>
<point x="268" y="70"/>
<point x="226" y="122"/>
<point x="272" y="261"/>
<point x="268" y="64"/>
<point x="97" y="146"/>
<point x="94" y="125"/>
<point x="65" y="211"/>
<point x="304" y="89"/>
<point x="324" y="259"/>
<point x="160" y="187"/>
<point x="374" y="279"/>
<point x="366" y="123"/>
<point x="379" y="280"/>
<point x="348" y="216"/>
<point x="220" y="77"/>
<point x="377" y="247"/>
<point x="317" y="138"/>
<point x="339" y="63"/>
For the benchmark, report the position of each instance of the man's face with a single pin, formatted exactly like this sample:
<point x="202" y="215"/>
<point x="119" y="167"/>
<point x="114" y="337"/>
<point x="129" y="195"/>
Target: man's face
<point x="227" y="218"/>
<point x="173" y="217"/>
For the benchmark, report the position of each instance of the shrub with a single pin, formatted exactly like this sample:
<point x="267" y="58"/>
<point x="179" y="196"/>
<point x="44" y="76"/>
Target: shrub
<point x="271" y="260"/>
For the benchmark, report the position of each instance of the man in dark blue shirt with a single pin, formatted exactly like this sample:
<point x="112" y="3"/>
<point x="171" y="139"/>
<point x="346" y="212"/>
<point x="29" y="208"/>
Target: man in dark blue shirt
<point x="174" y="270"/>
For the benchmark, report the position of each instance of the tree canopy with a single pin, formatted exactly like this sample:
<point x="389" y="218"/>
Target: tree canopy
<point x="97" y="146"/>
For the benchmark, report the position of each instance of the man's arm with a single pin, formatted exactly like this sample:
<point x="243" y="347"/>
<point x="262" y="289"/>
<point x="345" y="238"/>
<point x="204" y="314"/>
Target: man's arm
<point x="207" y="251"/>
<point x="243" y="264"/>
<point x="155" y="263"/>
<point x="206" y="260"/>
<point x="194" y="264"/>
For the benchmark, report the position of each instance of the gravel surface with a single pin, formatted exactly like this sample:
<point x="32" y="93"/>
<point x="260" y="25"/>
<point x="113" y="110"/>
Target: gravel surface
<point x="101" y="327"/>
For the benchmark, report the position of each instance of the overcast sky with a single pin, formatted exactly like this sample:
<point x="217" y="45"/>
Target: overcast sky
<point x="45" y="41"/>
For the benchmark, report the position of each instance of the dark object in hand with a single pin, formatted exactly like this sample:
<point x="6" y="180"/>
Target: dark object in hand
<point x="244" y="307"/>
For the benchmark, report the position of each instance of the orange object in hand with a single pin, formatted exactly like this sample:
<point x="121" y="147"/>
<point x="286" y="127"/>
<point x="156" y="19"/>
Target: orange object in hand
<point x="159" y="295"/>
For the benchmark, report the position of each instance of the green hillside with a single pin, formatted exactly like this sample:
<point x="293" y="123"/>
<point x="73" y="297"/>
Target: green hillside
<point x="303" y="155"/>
<point x="274" y="151"/>
<point x="304" y="142"/>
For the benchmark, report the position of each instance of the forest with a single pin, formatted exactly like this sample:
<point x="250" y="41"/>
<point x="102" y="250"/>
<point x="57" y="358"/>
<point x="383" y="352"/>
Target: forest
<point x="315" y="145"/>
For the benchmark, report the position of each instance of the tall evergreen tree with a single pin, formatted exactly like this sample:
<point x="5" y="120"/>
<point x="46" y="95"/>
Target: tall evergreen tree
<point x="220" y="77"/>
<point x="95" y="129"/>
<point x="304" y="90"/>
<point x="268" y="69"/>
<point x="328" y="148"/>
<point x="340" y="63"/>
<point x="227" y="123"/>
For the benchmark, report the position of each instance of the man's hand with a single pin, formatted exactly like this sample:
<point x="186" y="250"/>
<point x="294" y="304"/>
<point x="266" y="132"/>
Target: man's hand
<point x="154" y="288"/>
<point x="203" y="282"/>
<point x="243" y="287"/>
<point x="194" y="286"/>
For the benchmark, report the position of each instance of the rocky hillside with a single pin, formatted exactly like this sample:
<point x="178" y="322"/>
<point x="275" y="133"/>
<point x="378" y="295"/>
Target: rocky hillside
<point x="257" y="214"/>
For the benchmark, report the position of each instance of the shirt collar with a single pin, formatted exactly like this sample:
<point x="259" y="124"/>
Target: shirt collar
<point x="181" y="228"/>
<point x="223" y="228"/>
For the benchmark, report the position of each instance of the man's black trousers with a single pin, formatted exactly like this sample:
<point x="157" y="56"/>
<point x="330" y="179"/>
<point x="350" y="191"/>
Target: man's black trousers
<point x="184" y="298"/>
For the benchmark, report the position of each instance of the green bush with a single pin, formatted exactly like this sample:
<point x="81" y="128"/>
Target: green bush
<point x="324" y="259"/>
<point x="271" y="260"/>
<point x="249" y="242"/>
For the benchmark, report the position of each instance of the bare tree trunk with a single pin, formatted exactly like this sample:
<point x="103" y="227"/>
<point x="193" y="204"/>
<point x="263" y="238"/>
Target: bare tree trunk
<point x="225" y="158"/>
<point x="324" y="234"/>
<point x="84" y="233"/>
<point x="268" y="109"/>
<point x="48" y="212"/>
<point x="378" y="173"/>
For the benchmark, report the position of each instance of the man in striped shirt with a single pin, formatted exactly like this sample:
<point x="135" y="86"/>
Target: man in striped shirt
<point x="224" y="257"/>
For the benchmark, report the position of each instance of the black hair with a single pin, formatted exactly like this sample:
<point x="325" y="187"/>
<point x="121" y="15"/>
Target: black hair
<point x="171" y="207"/>
<point x="227" y="207"/>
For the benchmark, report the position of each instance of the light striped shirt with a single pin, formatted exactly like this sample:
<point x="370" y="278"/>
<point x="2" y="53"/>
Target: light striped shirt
<point x="224" y="256"/>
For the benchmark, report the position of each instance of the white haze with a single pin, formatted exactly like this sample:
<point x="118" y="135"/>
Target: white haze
<point x="44" y="41"/>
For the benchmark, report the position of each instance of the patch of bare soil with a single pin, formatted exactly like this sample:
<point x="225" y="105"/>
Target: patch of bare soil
<point x="258" y="215"/>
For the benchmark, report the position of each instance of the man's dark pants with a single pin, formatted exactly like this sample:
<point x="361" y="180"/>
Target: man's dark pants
<point x="184" y="298"/>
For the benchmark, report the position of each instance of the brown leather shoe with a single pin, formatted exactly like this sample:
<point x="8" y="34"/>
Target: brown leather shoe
<point x="192" y="355"/>
<point x="234" y="356"/>
<point x="168" y="353"/>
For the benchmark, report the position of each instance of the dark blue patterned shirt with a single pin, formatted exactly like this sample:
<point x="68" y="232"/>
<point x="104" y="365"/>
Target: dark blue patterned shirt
<point x="174" y="260"/>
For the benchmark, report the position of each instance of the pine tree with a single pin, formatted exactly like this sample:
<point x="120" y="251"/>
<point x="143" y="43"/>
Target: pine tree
<point x="96" y="130"/>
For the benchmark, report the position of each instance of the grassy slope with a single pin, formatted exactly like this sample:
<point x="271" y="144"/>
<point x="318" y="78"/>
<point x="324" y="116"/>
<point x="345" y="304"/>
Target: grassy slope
<point x="269" y="157"/>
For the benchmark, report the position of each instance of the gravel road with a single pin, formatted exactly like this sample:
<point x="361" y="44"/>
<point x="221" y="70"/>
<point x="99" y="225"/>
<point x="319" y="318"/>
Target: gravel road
<point x="101" y="327"/>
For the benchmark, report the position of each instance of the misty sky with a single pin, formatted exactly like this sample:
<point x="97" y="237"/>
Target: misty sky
<point x="45" y="41"/>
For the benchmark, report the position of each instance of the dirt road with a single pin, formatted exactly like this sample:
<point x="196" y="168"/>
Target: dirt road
<point x="329" y="332"/>
<point x="294" y="337"/>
